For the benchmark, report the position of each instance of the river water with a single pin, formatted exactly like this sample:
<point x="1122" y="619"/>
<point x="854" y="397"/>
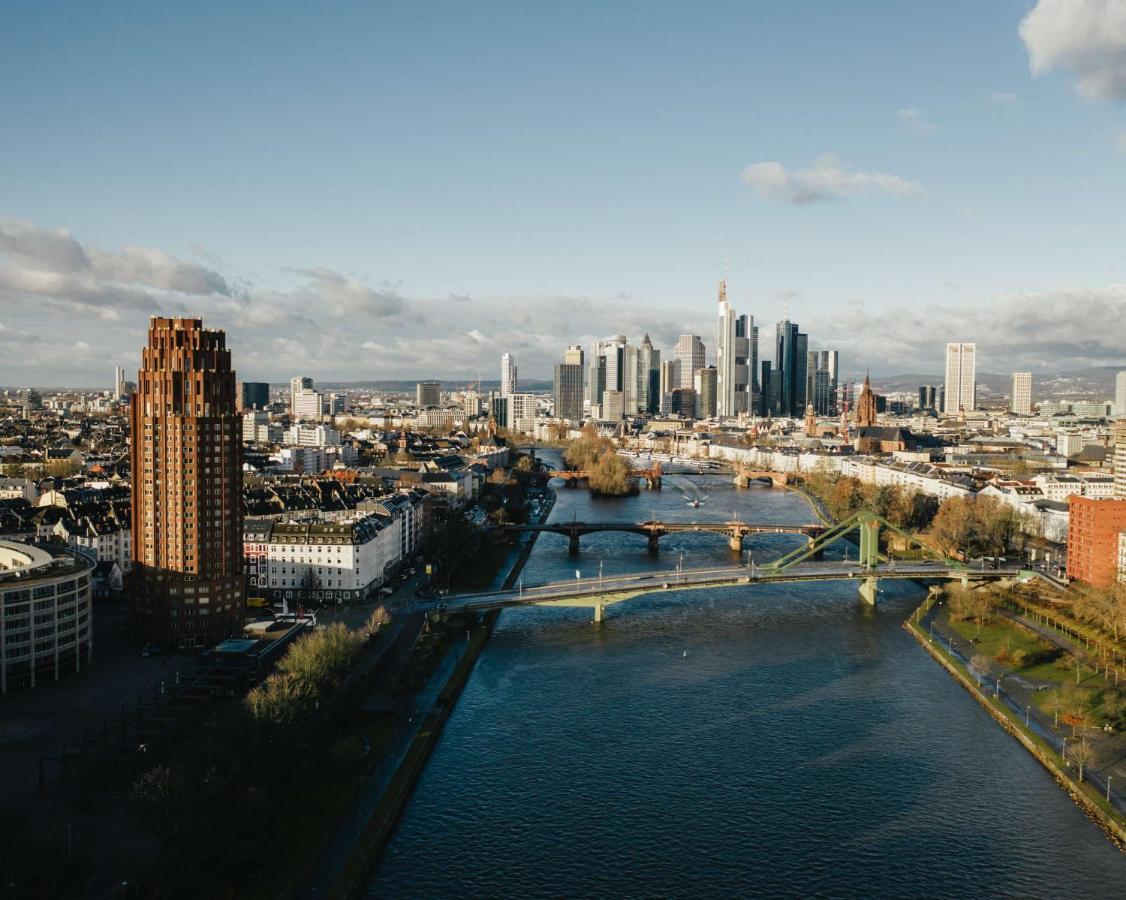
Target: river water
<point x="764" y="741"/>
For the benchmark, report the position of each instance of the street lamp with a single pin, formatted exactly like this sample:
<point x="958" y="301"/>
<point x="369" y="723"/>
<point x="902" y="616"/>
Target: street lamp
<point x="1108" y="780"/>
<point x="1063" y="752"/>
<point x="600" y="576"/>
<point x="1027" y="712"/>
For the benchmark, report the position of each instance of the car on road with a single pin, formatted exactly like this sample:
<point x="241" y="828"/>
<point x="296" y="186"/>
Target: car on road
<point x="151" y="650"/>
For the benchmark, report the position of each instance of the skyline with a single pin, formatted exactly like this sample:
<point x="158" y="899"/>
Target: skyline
<point x="394" y="205"/>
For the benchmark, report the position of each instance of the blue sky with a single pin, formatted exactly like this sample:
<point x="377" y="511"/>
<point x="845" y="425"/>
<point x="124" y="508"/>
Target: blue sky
<point x="390" y="190"/>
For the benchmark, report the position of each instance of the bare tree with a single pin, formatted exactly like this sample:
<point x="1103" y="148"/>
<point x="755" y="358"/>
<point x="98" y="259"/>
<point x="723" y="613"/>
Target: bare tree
<point x="1083" y="754"/>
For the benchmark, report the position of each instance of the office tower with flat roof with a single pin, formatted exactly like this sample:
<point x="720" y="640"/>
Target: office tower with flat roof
<point x="507" y="375"/>
<point x="960" y="383"/>
<point x="427" y="393"/>
<point x="705" y="382"/>
<point x="690" y="354"/>
<point x="1120" y="394"/>
<point x="118" y="383"/>
<point x="928" y="396"/>
<point x="573" y="356"/>
<point x="186" y="459"/>
<point x="648" y="377"/>
<point x="296" y="386"/>
<point x="669" y="382"/>
<point x="790" y="348"/>
<point x="254" y="394"/>
<point x="569" y="391"/>
<point x="1021" y="400"/>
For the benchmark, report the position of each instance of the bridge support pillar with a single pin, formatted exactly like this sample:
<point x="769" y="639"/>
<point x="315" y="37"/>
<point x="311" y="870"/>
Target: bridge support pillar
<point x="598" y="612"/>
<point x="869" y="587"/>
<point x="735" y="542"/>
<point x="818" y="552"/>
<point x="654" y="544"/>
<point x="573" y="545"/>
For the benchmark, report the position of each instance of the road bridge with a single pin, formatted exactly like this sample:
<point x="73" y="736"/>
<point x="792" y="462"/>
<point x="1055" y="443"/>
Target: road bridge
<point x="597" y="593"/>
<point x="735" y="531"/>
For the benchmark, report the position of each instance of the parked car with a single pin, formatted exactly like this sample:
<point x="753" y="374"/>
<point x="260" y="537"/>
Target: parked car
<point x="150" y="650"/>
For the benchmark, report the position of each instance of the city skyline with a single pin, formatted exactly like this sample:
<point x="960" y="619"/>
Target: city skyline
<point x="373" y="278"/>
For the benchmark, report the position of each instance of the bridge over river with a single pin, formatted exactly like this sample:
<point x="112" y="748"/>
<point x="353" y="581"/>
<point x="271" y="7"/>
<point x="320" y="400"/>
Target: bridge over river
<point x="598" y="593"/>
<point x="735" y="531"/>
<point x="802" y="564"/>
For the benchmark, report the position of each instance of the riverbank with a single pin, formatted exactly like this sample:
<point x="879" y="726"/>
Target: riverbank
<point x="1082" y="793"/>
<point x="350" y="857"/>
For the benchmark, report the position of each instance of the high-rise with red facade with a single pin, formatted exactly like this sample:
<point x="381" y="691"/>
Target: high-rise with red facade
<point x="1092" y="539"/>
<point x="187" y="487"/>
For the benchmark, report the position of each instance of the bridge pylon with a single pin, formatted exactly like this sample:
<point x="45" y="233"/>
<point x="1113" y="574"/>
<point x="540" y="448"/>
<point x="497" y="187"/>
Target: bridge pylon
<point x="869" y="588"/>
<point x="654" y="543"/>
<point x="573" y="544"/>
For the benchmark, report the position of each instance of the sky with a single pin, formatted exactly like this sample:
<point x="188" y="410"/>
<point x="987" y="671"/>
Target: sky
<point x="360" y="191"/>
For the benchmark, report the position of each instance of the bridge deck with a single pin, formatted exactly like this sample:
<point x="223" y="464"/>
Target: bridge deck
<point x="591" y="592"/>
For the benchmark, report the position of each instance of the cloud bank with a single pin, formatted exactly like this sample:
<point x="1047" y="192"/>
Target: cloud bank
<point x="70" y="311"/>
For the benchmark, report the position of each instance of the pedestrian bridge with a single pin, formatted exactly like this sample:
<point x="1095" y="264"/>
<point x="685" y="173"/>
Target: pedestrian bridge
<point x="735" y="531"/>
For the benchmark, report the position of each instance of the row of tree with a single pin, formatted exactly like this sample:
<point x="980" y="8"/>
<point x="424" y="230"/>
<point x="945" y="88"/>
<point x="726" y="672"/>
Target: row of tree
<point x="958" y="526"/>
<point x="209" y="800"/>
<point x="1103" y="607"/>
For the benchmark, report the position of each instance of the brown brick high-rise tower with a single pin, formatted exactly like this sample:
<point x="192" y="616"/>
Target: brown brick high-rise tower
<point x="186" y="457"/>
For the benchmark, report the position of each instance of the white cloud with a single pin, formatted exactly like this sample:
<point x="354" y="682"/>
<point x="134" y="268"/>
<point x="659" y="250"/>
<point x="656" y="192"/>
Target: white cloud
<point x="1084" y="37"/>
<point x="915" y="123"/>
<point x="826" y="180"/>
<point x="1120" y="141"/>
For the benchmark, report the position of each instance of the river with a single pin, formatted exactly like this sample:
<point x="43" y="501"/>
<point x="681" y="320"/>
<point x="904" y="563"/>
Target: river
<point x="781" y="740"/>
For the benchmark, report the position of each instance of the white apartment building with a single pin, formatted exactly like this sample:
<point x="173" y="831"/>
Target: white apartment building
<point x="308" y="404"/>
<point x="522" y="409"/>
<point x="1021" y="404"/>
<point x="1060" y="487"/>
<point x="312" y="436"/>
<point x="960" y="385"/>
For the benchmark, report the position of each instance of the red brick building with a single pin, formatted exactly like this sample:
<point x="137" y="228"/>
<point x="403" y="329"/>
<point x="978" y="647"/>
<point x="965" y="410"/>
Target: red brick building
<point x="1092" y="539"/>
<point x="186" y="460"/>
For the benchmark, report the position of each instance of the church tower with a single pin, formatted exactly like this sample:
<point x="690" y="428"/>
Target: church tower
<point x="866" y="406"/>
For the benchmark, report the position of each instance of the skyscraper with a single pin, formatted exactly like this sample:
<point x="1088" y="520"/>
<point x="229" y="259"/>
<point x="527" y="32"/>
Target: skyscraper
<point x="648" y="377"/>
<point x="118" y="383"/>
<point x="1021" y="403"/>
<point x="254" y="394"/>
<point x="928" y="395"/>
<point x="296" y="386"/>
<point x="960" y="387"/>
<point x="1120" y="394"/>
<point x="186" y="464"/>
<point x="1120" y="459"/>
<point x="725" y="355"/>
<point x="689" y="352"/>
<point x="569" y="391"/>
<point x="669" y="382"/>
<point x="427" y="393"/>
<point x="821" y="380"/>
<point x="507" y="375"/>
<point x="790" y="348"/>
<point x="706" y="382"/>
<point x="573" y="356"/>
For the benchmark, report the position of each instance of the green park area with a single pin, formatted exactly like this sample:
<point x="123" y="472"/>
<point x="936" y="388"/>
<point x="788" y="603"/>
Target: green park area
<point x="1078" y="685"/>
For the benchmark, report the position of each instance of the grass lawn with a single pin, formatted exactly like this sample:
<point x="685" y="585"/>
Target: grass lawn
<point x="998" y="635"/>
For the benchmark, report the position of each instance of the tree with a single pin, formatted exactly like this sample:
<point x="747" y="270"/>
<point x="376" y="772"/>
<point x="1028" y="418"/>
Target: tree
<point x="377" y="621"/>
<point x="981" y="667"/>
<point x="1083" y="754"/>
<point x="953" y="526"/>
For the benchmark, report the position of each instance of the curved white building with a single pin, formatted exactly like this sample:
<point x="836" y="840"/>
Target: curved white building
<point x="46" y="620"/>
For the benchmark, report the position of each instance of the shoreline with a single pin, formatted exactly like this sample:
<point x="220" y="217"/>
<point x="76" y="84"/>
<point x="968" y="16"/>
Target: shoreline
<point x="364" y="856"/>
<point x="1081" y="793"/>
